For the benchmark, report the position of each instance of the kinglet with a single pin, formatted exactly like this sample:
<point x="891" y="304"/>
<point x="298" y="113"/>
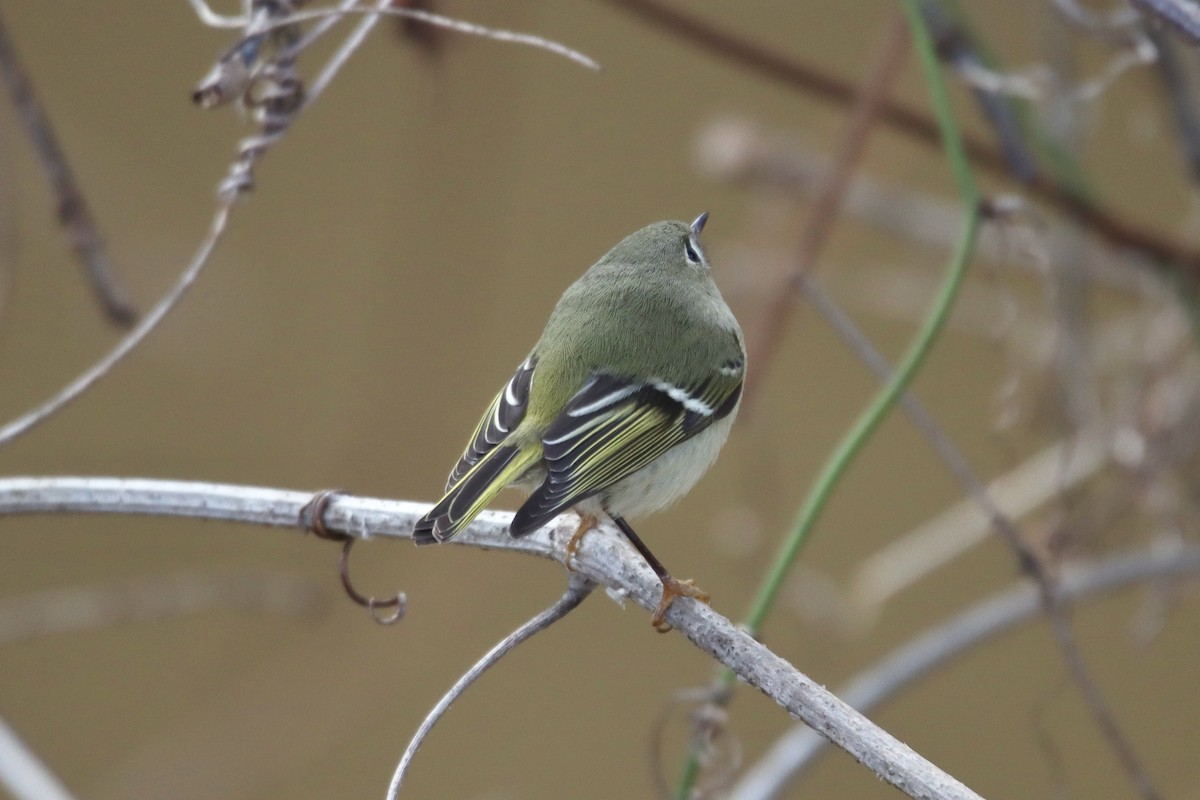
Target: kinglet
<point x="621" y="406"/>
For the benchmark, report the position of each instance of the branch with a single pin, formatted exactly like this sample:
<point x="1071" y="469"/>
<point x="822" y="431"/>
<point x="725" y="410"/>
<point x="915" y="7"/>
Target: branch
<point x="829" y="198"/>
<point x="811" y="79"/>
<point x="797" y="748"/>
<point x="73" y="211"/>
<point x="604" y="559"/>
<point x="1183" y="16"/>
<point x="144" y="328"/>
<point x="578" y="589"/>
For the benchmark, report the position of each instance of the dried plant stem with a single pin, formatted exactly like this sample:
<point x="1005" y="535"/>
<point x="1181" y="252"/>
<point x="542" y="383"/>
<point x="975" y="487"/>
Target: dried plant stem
<point x="578" y="588"/>
<point x="144" y="328"/>
<point x="233" y="187"/>
<point x="440" y="21"/>
<point x="1058" y="468"/>
<point x="73" y="210"/>
<point x="1109" y="226"/>
<point x="825" y="211"/>
<point x="827" y="204"/>
<point x="347" y="48"/>
<point x="1183" y="15"/>
<point x="977" y="625"/>
<point x="1058" y="621"/>
<point x="606" y="559"/>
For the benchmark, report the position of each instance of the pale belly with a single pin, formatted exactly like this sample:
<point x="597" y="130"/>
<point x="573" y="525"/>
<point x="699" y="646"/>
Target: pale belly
<point x="664" y="480"/>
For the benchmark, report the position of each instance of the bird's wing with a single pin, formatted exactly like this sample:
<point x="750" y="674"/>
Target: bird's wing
<point x="613" y="427"/>
<point x="497" y="469"/>
<point x="487" y="465"/>
<point x="504" y="414"/>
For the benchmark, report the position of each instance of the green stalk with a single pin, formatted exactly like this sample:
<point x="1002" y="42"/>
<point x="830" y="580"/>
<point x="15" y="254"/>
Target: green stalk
<point x="917" y="351"/>
<point x="914" y="356"/>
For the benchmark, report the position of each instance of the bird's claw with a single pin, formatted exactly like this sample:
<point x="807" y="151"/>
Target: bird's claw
<point x="671" y="589"/>
<point x="586" y="523"/>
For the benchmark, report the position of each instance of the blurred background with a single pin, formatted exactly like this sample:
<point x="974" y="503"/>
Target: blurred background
<point x="401" y="251"/>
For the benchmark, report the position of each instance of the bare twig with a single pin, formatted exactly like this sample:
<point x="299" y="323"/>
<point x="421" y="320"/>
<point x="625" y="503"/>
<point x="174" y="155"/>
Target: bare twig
<point x="947" y="535"/>
<point x="578" y="588"/>
<point x="351" y="43"/>
<point x="953" y="458"/>
<point x="1097" y="704"/>
<point x="1094" y="22"/>
<point x="278" y="111"/>
<point x="797" y="748"/>
<point x="1180" y="86"/>
<point x="827" y="204"/>
<point x="1006" y="527"/>
<point x="23" y="773"/>
<point x="73" y="210"/>
<point x="448" y="23"/>
<point x="958" y="47"/>
<point x="605" y="559"/>
<point x="1111" y="227"/>
<point x="742" y="152"/>
<point x="144" y="328"/>
<point x="1182" y="15"/>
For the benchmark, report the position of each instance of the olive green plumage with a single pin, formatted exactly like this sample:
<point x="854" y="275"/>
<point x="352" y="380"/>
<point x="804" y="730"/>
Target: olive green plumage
<point x="624" y="401"/>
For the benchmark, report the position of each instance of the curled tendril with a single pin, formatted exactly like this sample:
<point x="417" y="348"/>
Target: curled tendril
<point x="312" y="518"/>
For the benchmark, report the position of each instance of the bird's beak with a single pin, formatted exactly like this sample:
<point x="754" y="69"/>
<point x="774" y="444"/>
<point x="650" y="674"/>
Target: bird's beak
<point x="698" y="225"/>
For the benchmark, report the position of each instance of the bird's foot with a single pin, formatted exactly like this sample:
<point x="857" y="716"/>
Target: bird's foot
<point x="671" y="589"/>
<point x="586" y="523"/>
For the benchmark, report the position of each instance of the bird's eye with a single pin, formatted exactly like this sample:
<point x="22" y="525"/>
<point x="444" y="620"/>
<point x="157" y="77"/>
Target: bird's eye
<point x="692" y="255"/>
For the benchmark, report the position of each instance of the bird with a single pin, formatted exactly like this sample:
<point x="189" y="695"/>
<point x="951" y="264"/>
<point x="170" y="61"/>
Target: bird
<point x="621" y="406"/>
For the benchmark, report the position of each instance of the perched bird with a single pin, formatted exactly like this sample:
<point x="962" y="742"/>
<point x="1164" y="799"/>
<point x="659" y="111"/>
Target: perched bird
<point x="620" y="408"/>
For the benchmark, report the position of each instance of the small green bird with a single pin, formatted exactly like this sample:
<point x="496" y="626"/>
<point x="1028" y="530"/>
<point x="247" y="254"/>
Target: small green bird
<point x="622" y="405"/>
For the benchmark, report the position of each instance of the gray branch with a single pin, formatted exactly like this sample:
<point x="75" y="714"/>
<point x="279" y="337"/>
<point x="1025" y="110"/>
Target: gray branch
<point x="604" y="557"/>
<point x="799" y="747"/>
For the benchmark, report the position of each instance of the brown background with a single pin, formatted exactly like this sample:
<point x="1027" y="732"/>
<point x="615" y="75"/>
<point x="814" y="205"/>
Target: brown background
<point x="401" y="252"/>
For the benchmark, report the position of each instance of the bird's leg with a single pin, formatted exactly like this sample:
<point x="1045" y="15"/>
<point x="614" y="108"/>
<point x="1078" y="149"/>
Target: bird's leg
<point x="586" y="523"/>
<point x="672" y="588"/>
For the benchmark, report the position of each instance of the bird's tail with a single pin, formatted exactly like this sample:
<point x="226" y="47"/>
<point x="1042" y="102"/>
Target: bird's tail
<point x="466" y="498"/>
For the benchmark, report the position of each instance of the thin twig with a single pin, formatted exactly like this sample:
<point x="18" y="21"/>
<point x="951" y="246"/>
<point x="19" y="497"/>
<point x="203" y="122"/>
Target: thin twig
<point x="1103" y="715"/>
<point x="1109" y="226"/>
<point x="1180" y="86"/>
<point x="958" y="47"/>
<point x="818" y="226"/>
<point x="827" y="204"/>
<point x="1004" y="525"/>
<point x="144" y="328"/>
<point x="277" y="119"/>
<point x="441" y="21"/>
<point x="1182" y="15"/>
<point x="578" y="588"/>
<point x="797" y="749"/>
<point x="915" y="355"/>
<point x="953" y="458"/>
<point x="73" y="211"/>
<point x="1056" y="469"/>
<point x="743" y="153"/>
<point x="343" y="53"/>
<point x="606" y="559"/>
